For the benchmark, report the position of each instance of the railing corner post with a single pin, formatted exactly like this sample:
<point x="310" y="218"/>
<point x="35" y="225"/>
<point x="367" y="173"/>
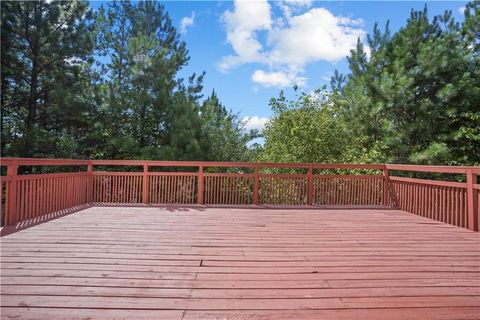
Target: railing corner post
<point x="472" y="201"/>
<point x="386" y="187"/>
<point x="145" y="184"/>
<point x="11" y="212"/>
<point x="200" y="184"/>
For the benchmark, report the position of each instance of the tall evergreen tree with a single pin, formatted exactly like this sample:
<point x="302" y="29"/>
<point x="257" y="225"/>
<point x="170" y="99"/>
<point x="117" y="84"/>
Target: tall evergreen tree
<point x="46" y="52"/>
<point x="415" y="99"/>
<point x="154" y="109"/>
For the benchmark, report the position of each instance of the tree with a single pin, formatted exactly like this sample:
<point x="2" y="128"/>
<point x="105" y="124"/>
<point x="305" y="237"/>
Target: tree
<point x="223" y="135"/>
<point x="44" y="45"/>
<point x="304" y="130"/>
<point x="415" y="100"/>
<point x="149" y="105"/>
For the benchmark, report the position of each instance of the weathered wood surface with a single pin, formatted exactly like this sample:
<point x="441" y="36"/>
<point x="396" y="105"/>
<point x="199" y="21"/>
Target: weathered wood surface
<point x="219" y="263"/>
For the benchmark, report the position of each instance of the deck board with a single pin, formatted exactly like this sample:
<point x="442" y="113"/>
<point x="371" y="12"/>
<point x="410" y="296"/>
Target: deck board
<point x="221" y="263"/>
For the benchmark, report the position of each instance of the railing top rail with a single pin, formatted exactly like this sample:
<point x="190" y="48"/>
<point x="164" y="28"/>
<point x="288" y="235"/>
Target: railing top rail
<point x="153" y="163"/>
<point x="43" y="162"/>
<point x="429" y="168"/>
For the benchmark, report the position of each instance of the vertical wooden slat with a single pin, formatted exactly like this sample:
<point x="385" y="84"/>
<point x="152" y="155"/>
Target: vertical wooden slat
<point x="31" y="199"/>
<point x="38" y="198"/>
<point x="212" y="190"/>
<point x="28" y="201"/>
<point x="168" y="190"/>
<point x="447" y="203"/>
<point x="145" y="184"/>
<point x="173" y="189"/>
<point x="50" y="195"/>
<point x="105" y="181"/>
<point x="164" y="189"/>
<point x="200" y="184"/>
<point x="158" y="188"/>
<point x="472" y="201"/>
<point x="212" y="180"/>
<point x="90" y="184"/>
<point x="42" y="197"/>
<point x="22" y="200"/>
<point x="217" y="190"/>
<point x="176" y="187"/>
<point x="256" y="184"/>
<point x="231" y="189"/>
<point x="138" y="183"/>
<point x="224" y="190"/>
<point x="120" y="187"/>
<point x="26" y="197"/>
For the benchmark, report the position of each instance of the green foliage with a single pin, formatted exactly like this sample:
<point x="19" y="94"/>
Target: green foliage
<point x="44" y="45"/>
<point x="416" y="98"/>
<point x="304" y="130"/>
<point x="75" y="84"/>
<point x="224" y="136"/>
<point x="79" y="85"/>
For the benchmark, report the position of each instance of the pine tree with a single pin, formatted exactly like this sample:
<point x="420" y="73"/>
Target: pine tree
<point x="43" y="45"/>
<point x="415" y="100"/>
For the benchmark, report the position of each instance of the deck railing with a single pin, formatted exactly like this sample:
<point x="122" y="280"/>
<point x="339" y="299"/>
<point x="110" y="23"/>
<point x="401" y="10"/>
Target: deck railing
<point x="33" y="197"/>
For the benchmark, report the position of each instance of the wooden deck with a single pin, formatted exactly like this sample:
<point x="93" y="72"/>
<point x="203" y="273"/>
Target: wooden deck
<point x="206" y="263"/>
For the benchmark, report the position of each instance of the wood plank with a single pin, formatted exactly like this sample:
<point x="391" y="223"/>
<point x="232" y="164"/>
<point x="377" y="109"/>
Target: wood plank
<point x="466" y="313"/>
<point x="52" y="290"/>
<point x="235" y="304"/>
<point x="237" y="284"/>
<point x="236" y="270"/>
<point x="83" y="314"/>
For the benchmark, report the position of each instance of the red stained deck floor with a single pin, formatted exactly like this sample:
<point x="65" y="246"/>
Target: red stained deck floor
<point x="212" y="263"/>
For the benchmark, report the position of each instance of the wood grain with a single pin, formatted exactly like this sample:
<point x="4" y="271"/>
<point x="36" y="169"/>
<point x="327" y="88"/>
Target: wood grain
<point x="220" y="263"/>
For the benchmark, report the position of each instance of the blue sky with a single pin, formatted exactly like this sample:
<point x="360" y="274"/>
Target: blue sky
<point x="252" y="49"/>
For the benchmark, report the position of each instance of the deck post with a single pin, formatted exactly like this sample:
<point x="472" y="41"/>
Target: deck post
<point x="472" y="201"/>
<point x="386" y="186"/>
<point x="310" y="185"/>
<point x="200" y="184"/>
<point x="145" y="184"/>
<point x="256" y="182"/>
<point x="11" y="212"/>
<point x="89" y="183"/>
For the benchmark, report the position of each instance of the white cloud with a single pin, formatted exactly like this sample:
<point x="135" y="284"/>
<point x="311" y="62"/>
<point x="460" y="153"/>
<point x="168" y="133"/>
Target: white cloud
<point x="255" y="122"/>
<point x="243" y="23"/>
<point x="461" y="10"/>
<point x="186" y="23"/>
<point x="312" y="36"/>
<point x="277" y="79"/>
<point x="291" y="41"/>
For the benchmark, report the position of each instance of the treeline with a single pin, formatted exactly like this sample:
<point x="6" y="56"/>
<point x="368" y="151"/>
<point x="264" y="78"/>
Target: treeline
<point x="410" y="97"/>
<point x="83" y="84"/>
